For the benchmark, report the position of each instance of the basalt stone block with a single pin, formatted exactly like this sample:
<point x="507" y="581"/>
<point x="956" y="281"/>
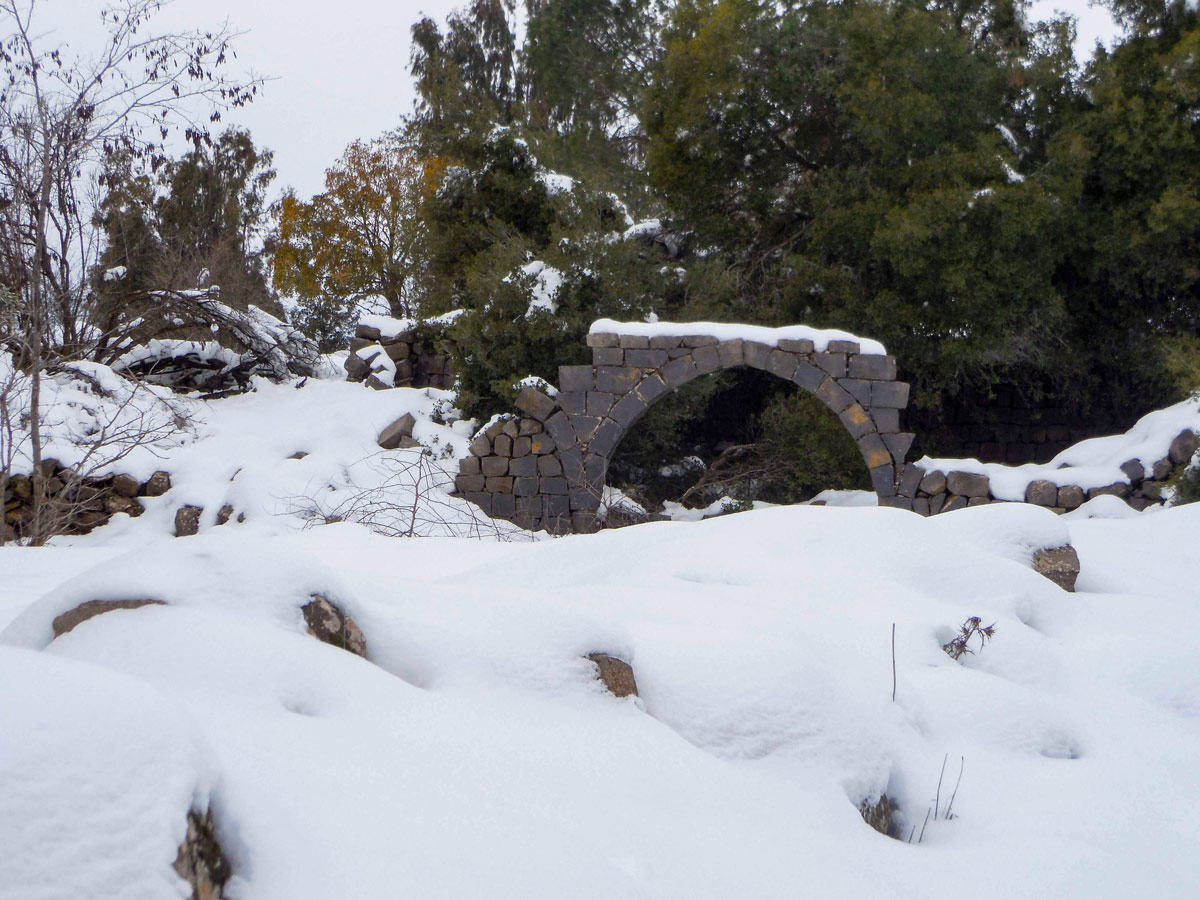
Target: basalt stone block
<point x="548" y="465"/>
<point x="679" y="371"/>
<point x="616" y="379"/>
<point x="603" y="340"/>
<point x="628" y="408"/>
<point x="873" y="367"/>
<point x="156" y="485"/>
<point x="576" y="378"/>
<point x="1162" y="469"/>
<point x="967" y="484"/>
<point x="367" y="333"/>
<point x="731" y="353"/>
<point x="525" y="487"/>
<point x="541" y="443"/>
<point x="187" y="520"/>
<point x="699" y="340"/>
<point x="707" y="358"/>
<point x="856" y="420"/>
<point x="607" y="436"/>
<point x="469" y="466"/>
<point x="125" y="486"/>
<point x="521" y="446"/>
<point x="782" y="363"/>
<point x="1042" y="493"/>
<point x="502" y="445"/>
<point x="843" y="347"/>
<point x="573" y="403"/>
<point x="499" y="484"/>
<point x="833" y="396"/>
<point x="329" y="624"/>
<point x="504" y="506"/>
<point x="584" y="521"/>
<point x="610" y="356"/>
<point x="509" y="427"/>
<point x="92" y="608"/>
<point x="552" y="485"/>
<point x="883" y="480"/>
<point x="756" y="354"/>
<point x="634" y="342"/>
<point x="495" y="429"/>
<point x="615" y="674"/>
<point x="1134" y="470"/>
<point x="599" y="403"/>
<point x="1117" y="489"/>
<point x="898" y="444"/>
<point x="556" y="505"/>
<point x="585" y="426"/>
<point x="933" y="483"/>
<point x="572" y="466"/>
<point x="676" y="352"/>
<point x="954" y="503"/>
<point x="651" y="388"/>
<point x="665" y="342"/>
<point x="936" y="504"/>
<point x="466" y="484"/>
<point x="831" y="363"/>
<point x="1070" y="497"/>
<point x="808" y="376"/>
<point x="979" y="501"/>
<point x="559" y="427"/>
<point x="857" y="388"/>
<point x="529" y="426"/>
<point x="647" y="359"/>
<point x="531" y="508"/>
<point x="920" y="505"/>
<point x="584" y="499"/>
<point x="910" y="480"/>
<point x="803" y="345"/>
<point x="887" y="421"/>
<point x="889" y="394"/>
<point x="525" y="467"/>
<point x="1059" y="564"/>
<point x="873" y="450"/>
<point x="594" y="468"/>
<point x="897" y="502"/>
<point x="482" y="499"/>
<point x="393" y="437"/>
<point x="1183" y="447"/>
<point x="532" y="401"/>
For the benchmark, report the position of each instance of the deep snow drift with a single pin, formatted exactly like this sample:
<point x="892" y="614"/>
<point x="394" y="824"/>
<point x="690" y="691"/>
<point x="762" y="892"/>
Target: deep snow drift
<point x="474" y="753"/>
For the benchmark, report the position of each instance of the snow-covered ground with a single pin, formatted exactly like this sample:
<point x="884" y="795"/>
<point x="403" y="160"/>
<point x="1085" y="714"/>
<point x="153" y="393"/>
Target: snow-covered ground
<point x="474" y="753"/>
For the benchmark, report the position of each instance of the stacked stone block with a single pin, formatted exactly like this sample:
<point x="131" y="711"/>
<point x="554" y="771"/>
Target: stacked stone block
<point x="73" y="504"/>
<point x="416" y="365"/>
<point x="930" y="493"/>
<point x="546" y="467"/>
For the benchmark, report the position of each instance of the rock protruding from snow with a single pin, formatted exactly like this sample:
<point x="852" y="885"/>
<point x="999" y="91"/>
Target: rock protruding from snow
<point x="200" y="862"/>
<point x="616" y="674"/>
<point x="187" y="520"/>
<point x="329" y="624"/>
<point x="398" y="435"/>
<point x="1059" y="564"/>
<point x="92" y="608"/>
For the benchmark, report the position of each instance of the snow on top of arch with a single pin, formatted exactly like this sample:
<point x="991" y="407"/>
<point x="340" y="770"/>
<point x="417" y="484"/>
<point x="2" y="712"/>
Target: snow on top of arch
<point x="726" y="331"/>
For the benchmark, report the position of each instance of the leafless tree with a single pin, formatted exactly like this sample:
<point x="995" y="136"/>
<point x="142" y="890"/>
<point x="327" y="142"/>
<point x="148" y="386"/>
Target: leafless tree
<point x="61" y="112"/>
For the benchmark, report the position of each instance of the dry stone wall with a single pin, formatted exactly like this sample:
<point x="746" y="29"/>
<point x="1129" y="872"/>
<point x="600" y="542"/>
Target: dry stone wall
<point x="933" y="492"/>
<point x="545" y="467"/>
<point x="398" y="360"/>
<point x="74" y="505"/>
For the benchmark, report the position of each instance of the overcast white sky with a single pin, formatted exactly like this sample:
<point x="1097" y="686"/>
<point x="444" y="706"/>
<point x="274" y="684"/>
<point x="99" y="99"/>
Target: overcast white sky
<point x="340" y="67"/>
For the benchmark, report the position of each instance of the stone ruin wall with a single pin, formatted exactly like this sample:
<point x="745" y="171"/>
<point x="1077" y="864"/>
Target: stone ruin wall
<point x="417" y="365"/>
<point x="546" y="467"/>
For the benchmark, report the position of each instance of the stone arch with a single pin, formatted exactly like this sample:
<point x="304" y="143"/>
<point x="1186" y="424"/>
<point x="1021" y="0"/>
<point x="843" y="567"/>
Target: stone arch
<point x="545" y="468"/>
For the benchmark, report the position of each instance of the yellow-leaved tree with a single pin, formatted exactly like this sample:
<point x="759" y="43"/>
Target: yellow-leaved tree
<point x="359" y="245"/>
